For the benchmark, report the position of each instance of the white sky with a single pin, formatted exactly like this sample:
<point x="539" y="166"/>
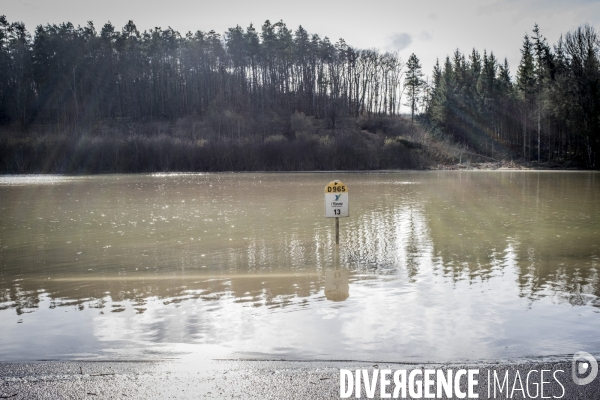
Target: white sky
<point x="429" y="28"/>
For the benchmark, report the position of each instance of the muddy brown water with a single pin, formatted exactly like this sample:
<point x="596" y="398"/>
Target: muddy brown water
<point x="432" y="266"/>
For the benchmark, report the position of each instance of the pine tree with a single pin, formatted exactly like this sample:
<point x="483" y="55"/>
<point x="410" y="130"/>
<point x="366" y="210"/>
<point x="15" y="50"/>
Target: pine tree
<point x="441" y="101"/>
<point x="526" y="84"/>
<point x="543" y="66"/>
<point x="414" y="83"/>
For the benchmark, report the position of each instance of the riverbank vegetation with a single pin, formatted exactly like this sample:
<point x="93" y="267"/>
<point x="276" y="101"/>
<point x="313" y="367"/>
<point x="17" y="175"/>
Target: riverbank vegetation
<point x="188" y="144"/>
<point x="82" y="100"/>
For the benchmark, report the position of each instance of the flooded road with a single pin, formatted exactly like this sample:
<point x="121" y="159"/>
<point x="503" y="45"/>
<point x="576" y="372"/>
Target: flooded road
<point x="432" y="266"/>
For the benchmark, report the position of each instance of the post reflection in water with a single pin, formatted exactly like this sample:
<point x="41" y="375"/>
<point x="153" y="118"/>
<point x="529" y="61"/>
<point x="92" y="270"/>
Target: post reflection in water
<point x="444" y="266"/>
<point x="336" y="284"/>
<point x="336" y="281"/>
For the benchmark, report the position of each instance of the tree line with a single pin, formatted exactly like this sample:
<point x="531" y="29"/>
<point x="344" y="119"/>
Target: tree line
<point x="77" y="75"/>
<point x="250" y="85"/>
<point x="550" y="112"/>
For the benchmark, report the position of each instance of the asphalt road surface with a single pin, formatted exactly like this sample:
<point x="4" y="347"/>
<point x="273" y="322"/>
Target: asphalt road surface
<point x="244" y="379"/>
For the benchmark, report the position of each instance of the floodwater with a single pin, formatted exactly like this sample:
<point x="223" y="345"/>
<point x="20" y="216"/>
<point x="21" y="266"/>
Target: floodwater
<point x="432" y="266"/>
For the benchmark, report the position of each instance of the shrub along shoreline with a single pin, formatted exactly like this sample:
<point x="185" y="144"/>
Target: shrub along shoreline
<point x="123" y="147"/>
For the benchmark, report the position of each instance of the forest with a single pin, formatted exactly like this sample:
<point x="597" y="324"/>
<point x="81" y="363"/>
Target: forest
<point x="550" y="111"/>
<point x="83" y="100"/>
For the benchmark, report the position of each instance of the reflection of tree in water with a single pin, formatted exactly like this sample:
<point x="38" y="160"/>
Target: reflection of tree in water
<point x="249" y="277"/>
<point x="413" y="248"/>
<point x="391" y="241"/>
<point x="15" y="296"/>
<point x="572" y="285"/>
<point x="545" y="230"/>
<point x="273" y="288"/>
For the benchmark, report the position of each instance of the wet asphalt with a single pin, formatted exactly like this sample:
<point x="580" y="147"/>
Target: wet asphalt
<point x="244" y="379"/>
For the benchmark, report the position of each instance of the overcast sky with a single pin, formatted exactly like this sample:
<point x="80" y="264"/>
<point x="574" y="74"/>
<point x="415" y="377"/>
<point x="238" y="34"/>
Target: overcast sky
<point x="429" y="28"/>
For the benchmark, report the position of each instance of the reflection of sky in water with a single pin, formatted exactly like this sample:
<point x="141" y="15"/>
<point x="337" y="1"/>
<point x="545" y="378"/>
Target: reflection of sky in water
<point x="442" y="266"/>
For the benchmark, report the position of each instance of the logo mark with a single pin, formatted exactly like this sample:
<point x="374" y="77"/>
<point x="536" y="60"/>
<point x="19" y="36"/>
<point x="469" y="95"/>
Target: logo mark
<point x="337" y="197"/>
<point x="582" y="363"/>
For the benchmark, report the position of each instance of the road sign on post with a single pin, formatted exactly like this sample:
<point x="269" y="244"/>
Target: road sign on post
<point x="336" y="200"/>
<point x="336" y="204"/>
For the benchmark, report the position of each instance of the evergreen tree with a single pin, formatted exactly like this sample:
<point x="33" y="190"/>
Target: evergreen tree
<point x="543" y="69"/>
<point x="413" y="82"/>
<point x="526" y="84"/>
<point x="250" y="82"/>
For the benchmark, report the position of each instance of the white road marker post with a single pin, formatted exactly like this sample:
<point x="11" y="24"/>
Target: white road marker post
<point x="336" y="204"/>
